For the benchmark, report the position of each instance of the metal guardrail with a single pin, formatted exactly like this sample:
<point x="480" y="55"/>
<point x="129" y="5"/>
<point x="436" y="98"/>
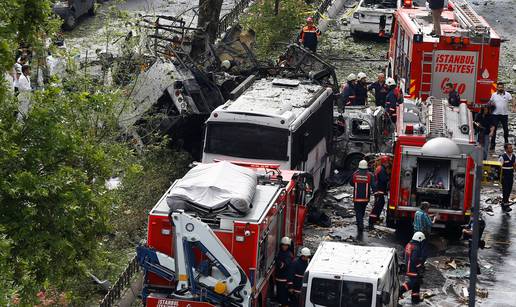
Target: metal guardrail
<point x="121" y="284"/>
<point x="229" y="19"/>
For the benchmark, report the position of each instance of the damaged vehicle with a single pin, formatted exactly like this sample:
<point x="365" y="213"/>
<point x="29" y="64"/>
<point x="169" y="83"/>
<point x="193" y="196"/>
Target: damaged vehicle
<point x="374" y="17"/>
<point x="71" y="10"/>
<point x="357" y="132"/>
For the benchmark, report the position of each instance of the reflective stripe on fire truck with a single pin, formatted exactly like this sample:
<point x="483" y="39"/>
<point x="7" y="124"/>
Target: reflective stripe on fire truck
<point x="412" y="88"/>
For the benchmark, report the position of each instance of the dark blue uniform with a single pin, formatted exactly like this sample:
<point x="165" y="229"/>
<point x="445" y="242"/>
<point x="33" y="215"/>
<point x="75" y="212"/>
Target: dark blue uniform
<point x="283" y="262"/>
<point x="361" y="182"/>
<point x="391" y="102"/>
<point x="414" y="258"/>
<point x="507" y="177"/>
<point x="360" y="94"/>
<point x="348" y="95"/>
<point x="454" y="98"/>
<point x="309" y="36"/>
<point x="296" y="273"/>
<point x="381" y="180"/>
<point x="380" y="93"/>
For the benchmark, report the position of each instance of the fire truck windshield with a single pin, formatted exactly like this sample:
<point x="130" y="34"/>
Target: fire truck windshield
<point x="247" y="141"/>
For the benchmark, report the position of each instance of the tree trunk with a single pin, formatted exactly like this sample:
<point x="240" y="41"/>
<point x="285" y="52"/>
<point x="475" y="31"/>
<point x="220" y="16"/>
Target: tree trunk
<point x="209" y="14"/>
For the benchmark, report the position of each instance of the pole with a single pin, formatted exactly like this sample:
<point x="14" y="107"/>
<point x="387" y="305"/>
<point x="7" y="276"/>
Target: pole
<point x="475" y="210"/>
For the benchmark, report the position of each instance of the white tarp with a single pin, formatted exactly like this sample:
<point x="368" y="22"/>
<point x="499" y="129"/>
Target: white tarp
<point x="214" y="188"/>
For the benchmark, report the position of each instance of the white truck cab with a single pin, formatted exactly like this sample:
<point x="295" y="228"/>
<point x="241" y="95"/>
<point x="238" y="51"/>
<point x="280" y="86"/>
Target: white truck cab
<point x="373" y="16"/>
<point x="345" y="275"/>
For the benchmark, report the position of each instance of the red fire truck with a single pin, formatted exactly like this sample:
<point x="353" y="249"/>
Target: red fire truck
<point x="466" y="53"/>
<point x="432" y="162"/>
<point x="234" y="249"/>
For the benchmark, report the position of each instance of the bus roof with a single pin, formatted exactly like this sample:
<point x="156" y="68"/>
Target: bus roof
<point x="458" y="20"/>
<point x="344" y="259"/>
<point x="276" y="102"/>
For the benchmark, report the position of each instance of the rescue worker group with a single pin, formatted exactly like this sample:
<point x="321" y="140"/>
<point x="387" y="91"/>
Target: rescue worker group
<point x="387" y="94"/>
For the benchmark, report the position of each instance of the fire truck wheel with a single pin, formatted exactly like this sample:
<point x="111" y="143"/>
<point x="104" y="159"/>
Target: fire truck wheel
<point x="390" y="221"/>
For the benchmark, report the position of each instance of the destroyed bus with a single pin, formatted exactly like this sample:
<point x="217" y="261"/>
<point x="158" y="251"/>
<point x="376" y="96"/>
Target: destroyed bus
<point x="432" y="162"/>
<point x="466" y="54"/>
<point x="282" y="122"/>
<point x="213" y="236"/>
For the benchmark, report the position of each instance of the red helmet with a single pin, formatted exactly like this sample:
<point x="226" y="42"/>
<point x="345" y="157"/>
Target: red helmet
<point x="385" y="159"/>
<point x="310" y="19"/>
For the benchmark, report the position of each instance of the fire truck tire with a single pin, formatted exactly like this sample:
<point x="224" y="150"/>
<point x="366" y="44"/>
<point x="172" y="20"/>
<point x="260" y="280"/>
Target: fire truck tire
<point x="390" y="221"/>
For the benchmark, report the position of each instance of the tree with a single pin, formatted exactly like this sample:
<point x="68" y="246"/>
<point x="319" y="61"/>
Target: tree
<point x="53" y="167"/>
<point x="208" y="18"/>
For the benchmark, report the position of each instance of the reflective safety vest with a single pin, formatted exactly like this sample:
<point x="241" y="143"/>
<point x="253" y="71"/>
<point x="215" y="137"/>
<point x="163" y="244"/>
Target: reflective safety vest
<point x="508" y="163"/>
<point x="361" y="182"/>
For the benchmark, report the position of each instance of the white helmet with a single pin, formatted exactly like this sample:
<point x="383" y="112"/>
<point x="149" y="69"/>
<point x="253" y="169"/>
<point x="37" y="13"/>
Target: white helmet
<point x="305" y="251"/>
<point x="226" y="64"/>
<point x="362" y="164"/>
<point x="390" y="81"/>
<point x="361" y="76"/>
<point x="285" y="240"/>
<point x="351" y="77"/>
<point x="418" y="236"/>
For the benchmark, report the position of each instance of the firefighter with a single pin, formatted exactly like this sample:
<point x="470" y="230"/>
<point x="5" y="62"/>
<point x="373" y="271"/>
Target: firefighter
<point x="283" y="262"/>
<point x="347" y="92"/>
<point x="380" y="90"/>
<point x="437" y="7"/>
<point x="361" y="181"/>
<point x="414" y="259"/>
<point x="296" y="274"/>
<point x="391" y="100"/>
<point x="467" y="233"/>
<point x="309" y="35"/>
<point x="381" y="180"/>
<point x="508" y="165"/>
<point x="361" y="90"/>
<point x="453" y="95"/>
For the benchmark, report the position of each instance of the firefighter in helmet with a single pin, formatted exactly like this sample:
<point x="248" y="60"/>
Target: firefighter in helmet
<point x="381" y="180"/>
<point x="347" y="92"/>
<point x="296" y="273"/>
<point x="309" y="35"/>
<point x="414" y="259"/>
<point x="361" y="90"/>
<point x="391" y="100"/>
<point x="283" y="261"/>
<point x="361" y="181"/>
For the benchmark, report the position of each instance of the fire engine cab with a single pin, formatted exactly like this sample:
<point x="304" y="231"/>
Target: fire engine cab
<point x="213" y="236"/>
<point x="466" y="53"/>
<point x="432" y="162"/>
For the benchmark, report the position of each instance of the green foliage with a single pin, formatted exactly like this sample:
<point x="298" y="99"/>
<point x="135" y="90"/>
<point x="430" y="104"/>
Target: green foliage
<point x="272" y="29"/>
<point x="53" y="167"/>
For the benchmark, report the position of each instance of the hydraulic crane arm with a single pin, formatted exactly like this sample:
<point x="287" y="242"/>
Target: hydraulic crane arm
<point x="219" y="279"/>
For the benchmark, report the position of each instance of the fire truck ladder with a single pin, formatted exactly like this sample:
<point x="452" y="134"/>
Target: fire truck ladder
<point x="468" y="18"/>
<point x="426" y="74"/>
<point x="436" y="121"/>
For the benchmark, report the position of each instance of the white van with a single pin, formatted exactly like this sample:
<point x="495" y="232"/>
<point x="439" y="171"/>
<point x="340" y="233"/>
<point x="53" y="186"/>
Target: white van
<point x="373" y="16"/>
<point x="283" y="123"/>
<point x="345" y="275"/>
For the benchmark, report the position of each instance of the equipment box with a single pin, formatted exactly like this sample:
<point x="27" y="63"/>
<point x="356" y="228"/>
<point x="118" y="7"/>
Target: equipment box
<point x="433" y="176"/>
<point x="491" y="172"/>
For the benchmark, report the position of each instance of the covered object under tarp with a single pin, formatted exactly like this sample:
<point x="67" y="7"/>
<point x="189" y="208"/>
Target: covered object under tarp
<point x="214" y="188"/>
